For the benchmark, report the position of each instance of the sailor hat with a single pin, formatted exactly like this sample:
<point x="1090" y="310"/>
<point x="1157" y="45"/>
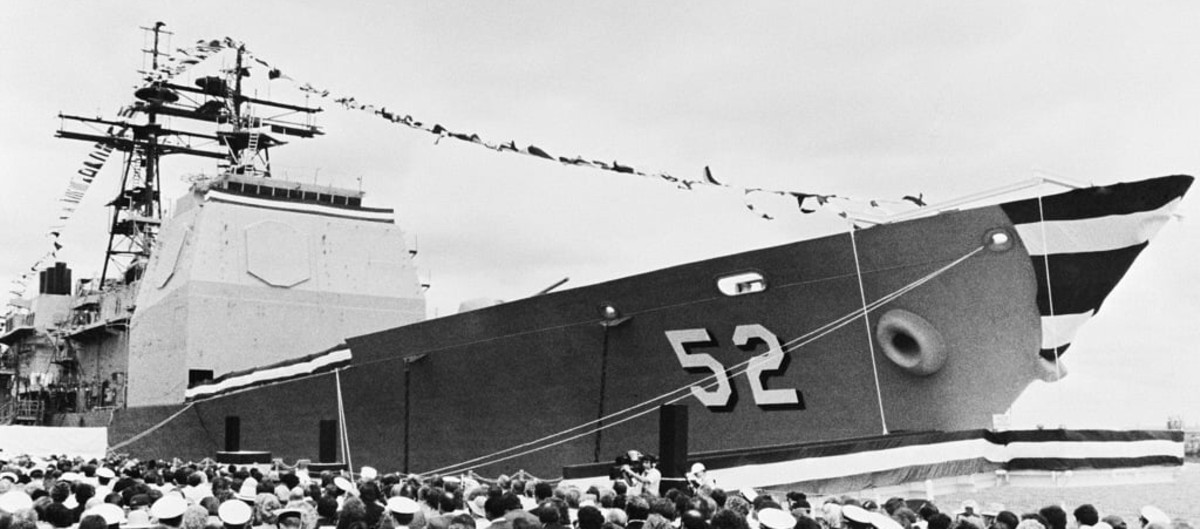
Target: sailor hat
<point x="112" y="514"/>
<point x="70" y="476"/>
<point x="855" y="513"/>
<point x="15" y="500"/>
<point x="748" y="493"/>
<point x="288" y="512"/>
<point x="772" y="518"/>
<point x="345" y="485"/>
<point x="402" y="505"/>
<point x="1153" y="514"/>
<point x="167" y="507"/>
<point x="137" y="519"/>
<point x="369" y="473"/>
<point x="249" y="490"/>
<point x="234" y="512"/>
<point x="476" y="505"/>
<point x="106" y="473"/>
<point x="883" y="521"/>
<point x="9" y="476"/>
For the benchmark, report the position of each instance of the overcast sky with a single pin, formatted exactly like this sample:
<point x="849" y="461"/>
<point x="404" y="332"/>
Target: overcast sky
<point x="868" y="99"/>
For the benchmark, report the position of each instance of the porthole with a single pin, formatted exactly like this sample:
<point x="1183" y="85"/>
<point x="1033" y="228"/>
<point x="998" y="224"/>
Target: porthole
<point x="742" y="283"/>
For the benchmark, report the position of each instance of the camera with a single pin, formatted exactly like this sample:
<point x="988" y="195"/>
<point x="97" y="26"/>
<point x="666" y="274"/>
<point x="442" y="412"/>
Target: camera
<point x="633" y="458"/>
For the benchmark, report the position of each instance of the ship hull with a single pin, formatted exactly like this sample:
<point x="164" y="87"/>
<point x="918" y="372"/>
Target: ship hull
<point x="543" y="373"/>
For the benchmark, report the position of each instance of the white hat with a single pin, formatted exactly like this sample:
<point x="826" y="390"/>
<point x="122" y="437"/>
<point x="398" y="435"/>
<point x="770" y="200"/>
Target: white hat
<point x="9" y="476"/>
<point x="287" y="512"/>
<point x="249" y="490"/>
<point x="344" y="484"/>
<point x="112" y="514"/>
<point x="773" y="518"/>
<point x="137" y="519"/>
<point x="855" y="513"/>
<point x="1153" y="514"/>
<point x="476" y="505"/>
<point x="70" y="476"/>
<point x="15" y="500"/>
<point x="369" y="473"/>
<point x="105" y="472"/>
<point x="969" y="504"/>
<point x="697" y="468"/>
<point x="234" y="512"/>
<point x="748" y="493"/>
<point x="169" y="506"/>
<point x="403" y="505"/>
<point x="883" y="521"/>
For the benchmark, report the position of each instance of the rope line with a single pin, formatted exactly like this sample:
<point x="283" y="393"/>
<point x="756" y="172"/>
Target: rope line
<point x="705" y="383"/>
<point x="148" y="431"/>
<point x="342" y="421"/>
<point x="862" y="293"/>
<point x="1049" y="287"/>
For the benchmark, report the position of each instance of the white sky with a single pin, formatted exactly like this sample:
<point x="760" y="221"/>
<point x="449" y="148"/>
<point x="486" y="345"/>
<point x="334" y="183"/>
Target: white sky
<point x="871" y="99"/>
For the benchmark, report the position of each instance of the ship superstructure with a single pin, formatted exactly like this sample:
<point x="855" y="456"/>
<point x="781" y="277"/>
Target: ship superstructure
<point x="245" y="269"/>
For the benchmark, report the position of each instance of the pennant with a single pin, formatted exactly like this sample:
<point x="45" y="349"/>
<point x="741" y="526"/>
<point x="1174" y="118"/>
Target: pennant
<point x="351" y="103"/>
<point x="708" y="177"/>
<point x="540" y="153"/>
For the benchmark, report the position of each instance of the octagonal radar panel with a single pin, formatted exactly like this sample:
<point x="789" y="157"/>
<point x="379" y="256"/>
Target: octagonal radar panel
<point x="277" y="254"/>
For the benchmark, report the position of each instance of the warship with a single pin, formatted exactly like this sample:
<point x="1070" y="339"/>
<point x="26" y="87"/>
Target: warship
<point x="288" y="318"/>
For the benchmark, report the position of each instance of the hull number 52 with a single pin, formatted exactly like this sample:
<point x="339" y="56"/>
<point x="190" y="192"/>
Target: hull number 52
<point x="717" y="391"/>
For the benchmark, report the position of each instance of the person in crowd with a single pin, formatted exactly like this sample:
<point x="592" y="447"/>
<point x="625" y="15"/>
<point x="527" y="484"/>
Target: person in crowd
<point x="1055" y="516"/>
<point x="637" y="508"/>
<point x="699" y="479"/>
<point x="1086" y="515"/>
<point x="1115" y="521"/>
<point x="402" y="510"/>
<point x="1005" y="520"/>
<point x="1151" y="515"/>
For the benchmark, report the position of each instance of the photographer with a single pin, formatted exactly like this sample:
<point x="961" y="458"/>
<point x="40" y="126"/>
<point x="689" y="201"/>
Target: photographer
<point x="639" y="472"/>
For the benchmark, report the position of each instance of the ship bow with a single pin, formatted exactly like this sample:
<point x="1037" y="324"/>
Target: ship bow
<point x="1083" y="241"/>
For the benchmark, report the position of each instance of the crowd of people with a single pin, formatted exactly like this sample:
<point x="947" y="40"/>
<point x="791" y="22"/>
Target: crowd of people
<point x="119" y="493"/>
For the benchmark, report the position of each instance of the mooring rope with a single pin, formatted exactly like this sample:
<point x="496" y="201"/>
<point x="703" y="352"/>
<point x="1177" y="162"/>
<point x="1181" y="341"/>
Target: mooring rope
<point x="149" y="430"/>
<point x="862" y="293"/>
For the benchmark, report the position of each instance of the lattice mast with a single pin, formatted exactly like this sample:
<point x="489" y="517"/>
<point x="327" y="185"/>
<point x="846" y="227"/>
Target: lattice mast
<point x="235" y="137"/>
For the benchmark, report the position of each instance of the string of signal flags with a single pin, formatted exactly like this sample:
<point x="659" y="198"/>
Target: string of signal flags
<point x="806" y="202"/>
<point x="182" y="59"/>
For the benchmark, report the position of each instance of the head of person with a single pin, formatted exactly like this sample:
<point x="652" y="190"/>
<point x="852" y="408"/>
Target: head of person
<point x="1087" y="514"/>
<point x="1006" y="520"/>
<point x="590" y="517"/>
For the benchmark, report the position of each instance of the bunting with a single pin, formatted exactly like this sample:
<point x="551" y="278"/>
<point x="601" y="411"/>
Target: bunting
<point x="806" y="202"/>
<point x="76" y="190"/>
<point x="182" y="59"/>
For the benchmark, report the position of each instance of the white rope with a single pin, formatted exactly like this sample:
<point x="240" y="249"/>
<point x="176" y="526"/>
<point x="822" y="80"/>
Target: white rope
<point x="149" y="430"/>
<point x="862" y="293"/>
<point x="706" y="382"/>
<point x="1050" y="299"/>
<point x="342" y="421"/>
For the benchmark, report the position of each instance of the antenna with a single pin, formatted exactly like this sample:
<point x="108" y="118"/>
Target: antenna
<point x="213" y="101"/>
